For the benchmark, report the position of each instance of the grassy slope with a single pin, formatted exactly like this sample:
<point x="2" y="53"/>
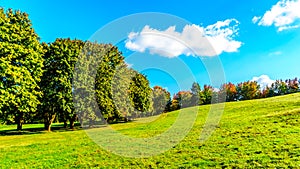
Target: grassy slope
<point x="258" y="133"/>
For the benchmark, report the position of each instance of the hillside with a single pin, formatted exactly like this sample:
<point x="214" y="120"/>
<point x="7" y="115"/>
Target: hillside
<point x="256" y="133"/>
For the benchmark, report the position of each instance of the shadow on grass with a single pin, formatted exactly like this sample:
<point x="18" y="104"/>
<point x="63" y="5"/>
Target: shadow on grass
<point x="38" y="130"/>
<point x="31" y="129"/>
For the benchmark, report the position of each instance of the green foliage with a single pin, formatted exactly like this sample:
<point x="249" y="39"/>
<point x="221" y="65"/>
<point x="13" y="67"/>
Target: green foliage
<point x="121" y="92"/>
<point x="280" y="87"/>
<point x="293" y="85"/>
<point x="183" y="98"/>
<point x="60" y="59"/>
<point x="140" y="93"/>
<point x="161" y="98"/>
<point x="196" y="94"/>
<point x="230" y="90"/>
<point x="21" y="66"/>
<point x="248" y="90"/>
<point x="206" y="94"/>
<point x="110" y="57"/>
<point x="84" y="83"/>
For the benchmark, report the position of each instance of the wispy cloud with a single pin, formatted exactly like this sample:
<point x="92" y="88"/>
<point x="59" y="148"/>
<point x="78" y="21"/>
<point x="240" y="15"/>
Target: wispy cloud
<point x="276" y="53"/>
<point x="255" y="19"/>
<point x="194" y="40"/>
<point x="283" y="15"/>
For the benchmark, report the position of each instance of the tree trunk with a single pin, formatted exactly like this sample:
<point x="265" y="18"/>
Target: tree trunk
<point x="48" y="120"/>
<point x="91" y="123"/>
<point x="19" y="127"/>
<point x="19" y="121"/>
<point x="65" y="124"/>
<point x="81" y="122"/>
<point x="72" y="124"/>
<point x="72" y="121"/>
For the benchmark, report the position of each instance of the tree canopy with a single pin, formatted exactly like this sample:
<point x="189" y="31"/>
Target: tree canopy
<point x="21" y="67"/>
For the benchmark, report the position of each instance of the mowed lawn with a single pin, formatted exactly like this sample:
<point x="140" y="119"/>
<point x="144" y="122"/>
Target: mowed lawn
<point x="251" y="134"/>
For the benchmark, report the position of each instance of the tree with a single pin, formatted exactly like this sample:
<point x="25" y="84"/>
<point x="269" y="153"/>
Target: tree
<point x="140" y="93"/>
<point x="161" y="98"/>
<point x="293" y="85"/>
<point x="21" y="65"/>
<point x="206" y="94"/>
<point x="110" y="58"/>
<point x="248" y="90"/>
<point x="230" y="90"/>
<point x="183" y="98"/>
<point x="60" y="59"/>
<point x="196" y="94"/>
<point x="280" y="87"/>
<point x="267" y="92"/>
<point x="175" y="105"/>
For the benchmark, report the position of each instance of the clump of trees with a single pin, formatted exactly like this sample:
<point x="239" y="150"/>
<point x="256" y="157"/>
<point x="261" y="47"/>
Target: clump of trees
<point x="37" y="78"/>
<point x="242" y="91"/>
<point x="69" y="80"/>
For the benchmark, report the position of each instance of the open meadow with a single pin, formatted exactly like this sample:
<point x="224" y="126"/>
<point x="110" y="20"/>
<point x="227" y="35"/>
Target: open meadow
<point x="251" y="134"/>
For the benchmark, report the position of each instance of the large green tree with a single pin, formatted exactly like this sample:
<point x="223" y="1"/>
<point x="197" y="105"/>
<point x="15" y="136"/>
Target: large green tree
<point x="60" y="59"/>
<point x="105" y="88"/>
<point x="110" y="58"/>
<point x="84" y="93"/>
<point x="140" y="93"/>
<point x="21" y="65"/>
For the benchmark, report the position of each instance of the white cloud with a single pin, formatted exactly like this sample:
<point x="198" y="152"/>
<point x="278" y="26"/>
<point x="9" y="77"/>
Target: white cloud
<point x="284" y="15"/>
<point x="194" y="40"/>
<point x="263" y="81"/>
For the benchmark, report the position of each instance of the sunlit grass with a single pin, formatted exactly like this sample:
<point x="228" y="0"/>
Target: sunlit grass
<point x="258" y="133"/>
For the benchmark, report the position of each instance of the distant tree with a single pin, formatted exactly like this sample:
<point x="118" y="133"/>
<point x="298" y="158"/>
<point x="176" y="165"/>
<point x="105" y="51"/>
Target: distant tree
<point x="293" y="85"/>
<point x="207" y="94"/>
<point x="267" y="92"/>
<point x="230" y="90"/>
<point x="161" y="98"/>
<point x="248" y="90"/>
<point x="21" y="65"/>
<point x="183" y="98"/>
<point x="175" y="105"/>
<point x="196" y="94"/>
<point x="280" y="88"/>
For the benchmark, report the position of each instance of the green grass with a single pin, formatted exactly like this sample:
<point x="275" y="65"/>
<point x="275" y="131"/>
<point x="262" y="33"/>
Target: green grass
<point x="261" y="133"/>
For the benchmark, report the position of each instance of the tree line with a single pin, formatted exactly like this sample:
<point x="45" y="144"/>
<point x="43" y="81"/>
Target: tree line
<point x="242" y="91"/>
<point x="69" y="80"/>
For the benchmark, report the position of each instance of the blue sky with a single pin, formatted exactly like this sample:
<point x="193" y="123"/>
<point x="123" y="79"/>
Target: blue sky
<point x="264" y="40"/>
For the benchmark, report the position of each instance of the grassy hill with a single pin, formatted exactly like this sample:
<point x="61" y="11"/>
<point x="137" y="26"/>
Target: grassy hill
<point x="251" y="134"/>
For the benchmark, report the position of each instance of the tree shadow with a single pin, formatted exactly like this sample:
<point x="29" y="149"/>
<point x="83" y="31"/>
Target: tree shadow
<point x="38" y="130"/>
<point x="55" y="128"/>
